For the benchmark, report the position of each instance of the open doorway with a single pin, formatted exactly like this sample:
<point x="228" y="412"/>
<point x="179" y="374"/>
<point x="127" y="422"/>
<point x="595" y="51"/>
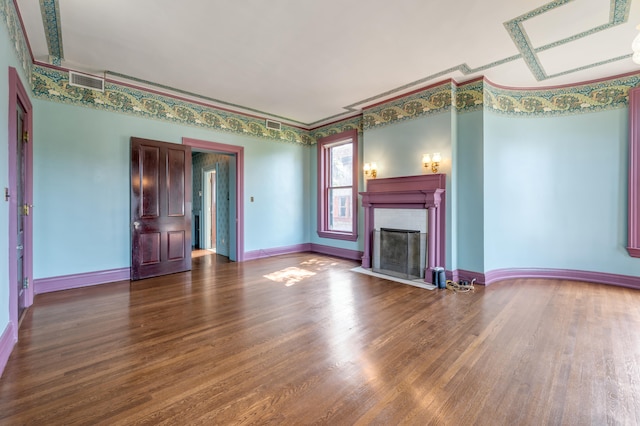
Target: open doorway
<point x="235" y="192"/>
<point x="213" y="211"/>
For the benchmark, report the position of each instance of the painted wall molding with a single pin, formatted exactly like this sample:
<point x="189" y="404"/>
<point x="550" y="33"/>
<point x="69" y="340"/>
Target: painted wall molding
<point x="87" y="279"/>
<point x="276" y="251"/>
<point x="497" y="275"/>
<point x="7" y="342"/>
<point x="337" y="252"/>
<point x="301" y="248"/>
<point x="563" y="274"/>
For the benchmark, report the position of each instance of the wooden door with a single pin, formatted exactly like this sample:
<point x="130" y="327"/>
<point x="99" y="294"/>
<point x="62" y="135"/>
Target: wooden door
<point x="160" y="208"/>
<point x="23" y="208"/>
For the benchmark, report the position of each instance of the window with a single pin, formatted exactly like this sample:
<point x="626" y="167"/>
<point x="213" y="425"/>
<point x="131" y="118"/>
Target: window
<point x="338" y="186"/>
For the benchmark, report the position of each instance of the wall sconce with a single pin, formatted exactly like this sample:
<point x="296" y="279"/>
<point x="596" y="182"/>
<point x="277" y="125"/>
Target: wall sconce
<point x="435" y="161"/>
<point x="370" y="170"/>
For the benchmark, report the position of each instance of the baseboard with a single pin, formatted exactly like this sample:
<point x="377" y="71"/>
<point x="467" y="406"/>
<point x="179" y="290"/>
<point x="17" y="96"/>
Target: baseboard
<point x="462" y="274"/>
<point x="300" y="248"/>
<point x="7" y="342"/>
<point x="276" y="251"/>
<point x="66" y="282"/>
<point x="563" y="274"/>
<point x="336" y="251"/>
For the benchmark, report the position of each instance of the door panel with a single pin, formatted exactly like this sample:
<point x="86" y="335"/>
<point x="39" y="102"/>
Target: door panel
<point x="176" y="181"/>
<point x="150" y="173"/>
<point x="176" y="245"/>
<point x="160" y="201"/>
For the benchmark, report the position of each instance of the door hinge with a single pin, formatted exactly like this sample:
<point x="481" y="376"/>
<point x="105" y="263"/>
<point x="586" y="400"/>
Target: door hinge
<point x="6" y="194"/>
<point x="25" y="210"/>
<point x="25" y="283"/>
<point x="25" y="136"/>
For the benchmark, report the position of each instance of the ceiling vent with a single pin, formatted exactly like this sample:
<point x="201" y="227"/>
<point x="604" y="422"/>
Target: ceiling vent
<point x="86" y="81"/>
<point x="274" y="125"/>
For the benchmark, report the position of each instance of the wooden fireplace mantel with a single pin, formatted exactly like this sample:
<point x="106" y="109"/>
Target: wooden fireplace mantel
<point x="409" y="192"/>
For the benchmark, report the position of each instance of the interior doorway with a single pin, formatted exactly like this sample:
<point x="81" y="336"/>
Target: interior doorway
<point x="213" y="202"/>
<point x="235" y="193"/>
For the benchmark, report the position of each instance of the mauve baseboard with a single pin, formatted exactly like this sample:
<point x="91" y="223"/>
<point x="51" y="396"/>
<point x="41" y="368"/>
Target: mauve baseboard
<point x="301" y="248"/>
<point x="497" y="275"/>
<point x="276" y="251"/>
<point x="337" y="252"/>
<point x="7" y="342"/>
<point x="66" y="282"/>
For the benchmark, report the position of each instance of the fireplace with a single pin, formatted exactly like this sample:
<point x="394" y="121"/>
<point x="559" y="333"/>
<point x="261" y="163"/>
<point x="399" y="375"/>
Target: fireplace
<point x="411" y="192"/>
<point x="399" y="251"/>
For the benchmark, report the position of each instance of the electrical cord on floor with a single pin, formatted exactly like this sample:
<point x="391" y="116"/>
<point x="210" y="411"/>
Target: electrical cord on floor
<point x="460" y="287"/>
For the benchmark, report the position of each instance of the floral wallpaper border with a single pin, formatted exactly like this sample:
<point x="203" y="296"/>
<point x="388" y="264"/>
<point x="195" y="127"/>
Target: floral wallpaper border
<point x="337" y="127"/>
<point x="584" y="98"/>
<point x="482" y="94"/>
<point x="53" y="84"/>
<point x="432" y="100"/>
<point x="9" y="15"/>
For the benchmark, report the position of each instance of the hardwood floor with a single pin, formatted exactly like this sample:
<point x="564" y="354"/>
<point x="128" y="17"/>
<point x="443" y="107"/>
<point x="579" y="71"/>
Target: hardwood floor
<point x="300" y="339"/>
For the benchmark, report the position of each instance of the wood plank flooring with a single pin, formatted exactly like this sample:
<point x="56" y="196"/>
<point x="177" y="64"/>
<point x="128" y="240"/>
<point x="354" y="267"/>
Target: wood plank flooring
<point x="300" y="339"/>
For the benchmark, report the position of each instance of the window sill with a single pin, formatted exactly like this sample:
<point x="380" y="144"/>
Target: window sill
<point x="338" y="235"/>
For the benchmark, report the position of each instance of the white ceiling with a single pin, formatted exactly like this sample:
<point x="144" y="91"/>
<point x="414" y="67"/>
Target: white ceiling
<point x="312" y="61"/>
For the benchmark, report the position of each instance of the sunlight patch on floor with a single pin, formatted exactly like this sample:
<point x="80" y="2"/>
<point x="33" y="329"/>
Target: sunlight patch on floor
<point x="289" y="276"/>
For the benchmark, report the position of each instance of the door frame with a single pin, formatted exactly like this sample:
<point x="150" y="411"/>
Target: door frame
<point x="208" y="222"/>
<point x="238" y="151"/>
<point x="17" y="93"/>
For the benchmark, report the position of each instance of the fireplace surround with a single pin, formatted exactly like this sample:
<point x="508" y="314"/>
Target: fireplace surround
<point x="409" y="192"/>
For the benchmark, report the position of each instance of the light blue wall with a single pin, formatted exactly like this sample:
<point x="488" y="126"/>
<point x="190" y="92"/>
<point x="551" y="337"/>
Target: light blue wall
<point x="81" y="187"/>
<point x="555" y="192"/>
<point x="398" y="150"/>
<point x="5" y="60"/>
<point x="275" y="177"/>
<point x="469" y="196"/>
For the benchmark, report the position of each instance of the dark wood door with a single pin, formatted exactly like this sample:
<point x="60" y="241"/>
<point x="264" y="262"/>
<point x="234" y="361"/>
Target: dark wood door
<point x="23" y="209"/>
<point x="160" y="208"/>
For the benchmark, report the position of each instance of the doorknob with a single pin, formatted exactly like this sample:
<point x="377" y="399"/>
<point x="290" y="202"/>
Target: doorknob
<point x="136" y="224"/>
<point x="20" y="247"/>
